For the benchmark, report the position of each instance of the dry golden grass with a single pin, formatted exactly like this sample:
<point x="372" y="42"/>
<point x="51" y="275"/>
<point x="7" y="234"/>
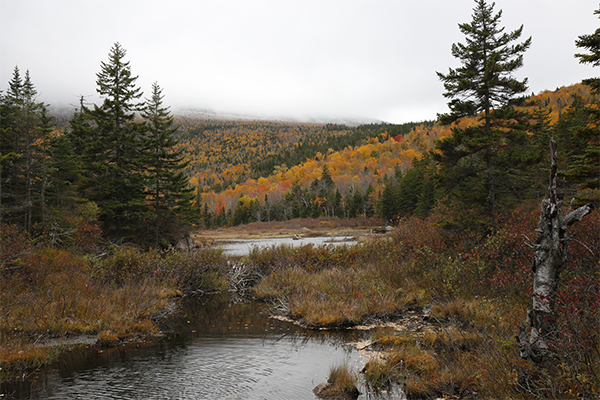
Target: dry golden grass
<point x="330" y="297"/>
<point x="51" y="293"/>
<point x="325" y="226"/>
<point x="342" y="380"/>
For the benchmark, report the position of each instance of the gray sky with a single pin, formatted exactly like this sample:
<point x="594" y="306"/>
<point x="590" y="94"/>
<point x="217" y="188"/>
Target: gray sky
<point x="278" y="58"/>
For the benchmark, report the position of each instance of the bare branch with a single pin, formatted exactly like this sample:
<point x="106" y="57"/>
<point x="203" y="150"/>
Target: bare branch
<point x="576" y="215"/>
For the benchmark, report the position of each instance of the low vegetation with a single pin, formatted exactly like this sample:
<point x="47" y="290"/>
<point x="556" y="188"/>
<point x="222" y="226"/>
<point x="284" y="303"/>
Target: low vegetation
<point x="50" y="296"/>
<point x="341" y="384"/>
<point x="469" y="301"/>
<point x="477" y="296"/>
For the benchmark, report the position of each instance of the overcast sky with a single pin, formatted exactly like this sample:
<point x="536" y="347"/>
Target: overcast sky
<point x="373" y="59"/>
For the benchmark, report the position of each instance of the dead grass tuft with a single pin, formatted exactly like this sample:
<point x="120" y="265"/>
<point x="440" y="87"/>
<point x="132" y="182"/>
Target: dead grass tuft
<point x="342" y="380"/>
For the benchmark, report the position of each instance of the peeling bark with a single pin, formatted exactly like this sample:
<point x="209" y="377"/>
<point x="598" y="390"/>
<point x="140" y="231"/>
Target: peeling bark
<point x="550" y="254"/>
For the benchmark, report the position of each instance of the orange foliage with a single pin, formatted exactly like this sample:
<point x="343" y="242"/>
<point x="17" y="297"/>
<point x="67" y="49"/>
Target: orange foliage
<point x="221" y="152"/>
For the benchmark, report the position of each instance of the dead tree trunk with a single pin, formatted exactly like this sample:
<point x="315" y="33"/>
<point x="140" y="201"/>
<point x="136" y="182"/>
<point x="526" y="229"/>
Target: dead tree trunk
<point x="550" y="253"/>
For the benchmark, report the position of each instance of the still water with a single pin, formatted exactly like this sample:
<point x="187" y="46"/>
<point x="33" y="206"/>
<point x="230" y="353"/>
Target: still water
<point x="242" y="247"/>
<point x="215" y="350"/>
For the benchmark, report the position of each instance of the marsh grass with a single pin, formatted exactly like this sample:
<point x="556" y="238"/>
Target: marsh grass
<point x="49" y="294"/>
<point x="479" y="294"/>
<point x="330" y="297"/>
<point x="342" y="379"/>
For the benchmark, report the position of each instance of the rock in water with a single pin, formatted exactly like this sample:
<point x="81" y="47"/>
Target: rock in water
<point x="328" y="391"/>
<point x="321" y="390"/>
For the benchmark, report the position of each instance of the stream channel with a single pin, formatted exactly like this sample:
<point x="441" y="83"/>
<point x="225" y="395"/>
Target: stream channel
<point x="212" y="349"/>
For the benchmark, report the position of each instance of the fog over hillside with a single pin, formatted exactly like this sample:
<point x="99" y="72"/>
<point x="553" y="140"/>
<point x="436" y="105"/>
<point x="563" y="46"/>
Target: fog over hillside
<point x="303" y="61"/>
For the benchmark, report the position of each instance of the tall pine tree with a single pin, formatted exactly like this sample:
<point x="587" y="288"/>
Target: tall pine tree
<point x="473" y="158"/>
<point x="25" y="133"/>
<point x="168" y="192"/>
<point x="112" y="145"/>
<point x="586" y="164"/>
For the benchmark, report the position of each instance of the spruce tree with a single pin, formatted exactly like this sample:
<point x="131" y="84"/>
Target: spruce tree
<point x="24" y="135"/>
<point x="473" y="158"/>
<point x="387" y="201"/>
<point x="591" y="44"/>
<point x="112" y="145"/>
<point x="167" y="187"/>
<point x="489" y="59"/>
<point x="586" y="163"/>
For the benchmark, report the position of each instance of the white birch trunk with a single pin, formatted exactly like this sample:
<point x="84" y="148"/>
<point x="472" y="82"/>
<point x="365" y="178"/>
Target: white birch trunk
<point x="550" y="253"/>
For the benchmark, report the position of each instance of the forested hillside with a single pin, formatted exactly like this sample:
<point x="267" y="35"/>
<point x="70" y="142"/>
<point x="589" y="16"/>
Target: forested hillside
<point x="272" y="169"/>
<point x="92" y="207"/>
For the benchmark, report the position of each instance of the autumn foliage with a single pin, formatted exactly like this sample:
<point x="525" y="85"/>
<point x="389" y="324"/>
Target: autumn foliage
<point x="263" y="161"/>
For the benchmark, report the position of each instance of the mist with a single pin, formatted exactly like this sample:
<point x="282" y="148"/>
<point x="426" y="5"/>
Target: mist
<point x="309" y="60"/>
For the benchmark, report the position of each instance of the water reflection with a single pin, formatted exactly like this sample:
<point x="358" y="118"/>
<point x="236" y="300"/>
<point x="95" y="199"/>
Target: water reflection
<point x="213" y="350"/>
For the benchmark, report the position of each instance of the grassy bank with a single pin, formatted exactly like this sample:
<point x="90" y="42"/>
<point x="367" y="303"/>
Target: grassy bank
<point x="467" y="298"/>
<point x="52" y="297"/>
<point x="478" y="295"/>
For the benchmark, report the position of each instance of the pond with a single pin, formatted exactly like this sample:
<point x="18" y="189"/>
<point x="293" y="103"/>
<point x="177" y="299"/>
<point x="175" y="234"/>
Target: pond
<point x="213" y="350"/>
<point x="242" y="247"/>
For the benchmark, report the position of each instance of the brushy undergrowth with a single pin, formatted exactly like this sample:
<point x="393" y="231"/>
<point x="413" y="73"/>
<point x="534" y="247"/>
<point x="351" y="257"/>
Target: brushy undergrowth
<point x="49" y="293"/>
<point x="479" y="294"/>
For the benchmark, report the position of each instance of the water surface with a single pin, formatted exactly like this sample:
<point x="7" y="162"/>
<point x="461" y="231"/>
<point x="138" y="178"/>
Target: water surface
<point x="242" y="247"/>
<point x="214" y="350"/>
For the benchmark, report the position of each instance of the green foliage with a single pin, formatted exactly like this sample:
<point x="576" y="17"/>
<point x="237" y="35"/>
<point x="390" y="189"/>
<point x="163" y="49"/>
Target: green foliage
<point x="412" y="193"/>
<point x="591" y="44"/>
<point x="130" y="169"/>
<point x="244" y="212"/>
<point x="25" y="129"/>
<point x="167" y="188"/>
<point x="113" y="162"/>
<point x="489" y="58"/>
<point x="476" y="160"/>
<point x="576" y="135"/>
<point x="587" y="160"/>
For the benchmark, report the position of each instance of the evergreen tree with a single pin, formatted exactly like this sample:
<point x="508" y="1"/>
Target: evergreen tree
<point x="326" y="179"/>
<point x="483" y="86"/>
<point x="112" y="145"/>
<point x="586" y="164"/>
<point x="66" y="173"/>
<point x="168" y="191"/>
<point x="576" y="135"/>
<point x="323" y="195"/>
<point x="591" y="44"/>
<point x="45" y="128"/>
<point x="485" y="80"/>
<point x="408" y="190"/>
<point x="355" y="204"/>
<point x="387" y="200"/>
<point x="369" y="202"/>
<point x="25" y="134"/>
<point x="338" y="209"/>
<point x="427" y="196"/>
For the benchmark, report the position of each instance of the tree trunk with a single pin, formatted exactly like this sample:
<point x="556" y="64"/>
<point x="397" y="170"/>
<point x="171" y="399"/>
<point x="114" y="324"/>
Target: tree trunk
<point x="550" y="253"/>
